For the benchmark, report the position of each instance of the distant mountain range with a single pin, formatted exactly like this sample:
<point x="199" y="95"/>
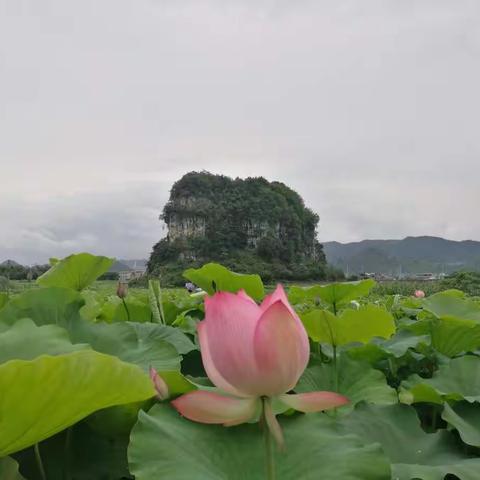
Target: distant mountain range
<point x="10" y="264"/>
<point x="410" y="255"/>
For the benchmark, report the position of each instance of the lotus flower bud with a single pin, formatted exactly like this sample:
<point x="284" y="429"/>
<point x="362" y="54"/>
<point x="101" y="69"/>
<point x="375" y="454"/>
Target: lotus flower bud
<point x="122" y="290"/>
<point x="159" y="383"/>
<point x="419" y="294"/>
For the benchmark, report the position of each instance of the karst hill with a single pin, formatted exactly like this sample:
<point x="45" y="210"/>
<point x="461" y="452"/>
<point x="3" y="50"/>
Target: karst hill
<point x="249" y="225"/>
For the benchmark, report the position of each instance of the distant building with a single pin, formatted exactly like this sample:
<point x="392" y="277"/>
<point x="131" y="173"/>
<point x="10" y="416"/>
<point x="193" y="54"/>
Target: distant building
<point x="134" y="273"/>
<point x="130" y="275"/>
<point x="423" y="276"/>
<point x="366" y="275"/>
<point x="381" y="277"/>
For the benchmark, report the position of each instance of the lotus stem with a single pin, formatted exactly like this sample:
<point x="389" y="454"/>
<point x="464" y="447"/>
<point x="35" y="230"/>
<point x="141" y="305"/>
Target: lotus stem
<point x="393" y="369"/>
<point x="68" y="443"/>
<point x="155" y="300"/>
<point x="269" y="456"/>
<point x="434" y="418"/>
<point x="39" y="461"/>
<point x="335" y="374"/>
<point x="160" y="303"/>
<point x="126" y="309"/>
<point x="335" y="370"/>
<point x="334" y="359"/>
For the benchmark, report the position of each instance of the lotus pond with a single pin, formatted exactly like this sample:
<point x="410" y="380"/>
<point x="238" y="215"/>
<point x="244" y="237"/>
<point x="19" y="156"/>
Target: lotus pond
<point x="319" y="382"/>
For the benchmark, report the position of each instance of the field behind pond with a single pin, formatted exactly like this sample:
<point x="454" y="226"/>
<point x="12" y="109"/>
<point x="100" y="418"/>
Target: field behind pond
<point x="109" y="287"/>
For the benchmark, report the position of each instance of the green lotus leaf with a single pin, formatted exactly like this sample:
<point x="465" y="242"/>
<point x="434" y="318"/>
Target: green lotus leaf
<point x="321" y="326"/>
<point x="465" y="417"/>
<point x="118" y="420"/>
<point x="401" y="342"/>
<point x="44" y="396"/>
<point x="79" y="453"/>
<point x="213" y="277"/>
<point x="171" y="311"/>
<point x="76" y="271"/>
<point x="452" y="303"/>
<point x="137" y="312"/>
<point x="418" y="326"/>
<point x="45" y="306"/>
<point x="174" y="336"/>
<point x="164" y="445"/>
<point x="350" y="326"/>
<point x="452" y="336"/>
<point x="459" y="379"/>
<point x="144" y="344"/>
<point x="177" y="383"/>
<point x="413" y="453"/>
<point x="369" y="352"/>
<point x="93" y="305"/>
<point x="335" y="294"/>
<point x="25" y="341"/>
<point x="396" y="347"/>
<point x="358" y="381"/>
<point x="3" y="299"/>
<point x="108" y="309"/>
<point x="419" y="393"/>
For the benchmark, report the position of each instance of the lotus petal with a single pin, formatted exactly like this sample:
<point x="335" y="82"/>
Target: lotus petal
<point x="210" y="407"/>
<point x="281" y="349"/>
<point x="314" y="401"/>
<point x="278" y="294"/>
<point x="227" y="340"/>
<point x="243" y="294"/>
<point x="212" y="372"/>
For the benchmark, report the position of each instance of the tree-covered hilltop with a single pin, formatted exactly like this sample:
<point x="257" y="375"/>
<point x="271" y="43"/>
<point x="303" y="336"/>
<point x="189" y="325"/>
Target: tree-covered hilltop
<point x="14" y="271"/>
<point x="249" y="225"/>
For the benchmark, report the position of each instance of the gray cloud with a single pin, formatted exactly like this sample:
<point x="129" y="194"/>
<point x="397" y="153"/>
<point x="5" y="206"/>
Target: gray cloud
<point x="368" y="108"/>
<point x="117" y="221"/>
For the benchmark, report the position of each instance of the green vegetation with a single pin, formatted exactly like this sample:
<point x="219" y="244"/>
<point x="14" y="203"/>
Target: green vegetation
<point x="14" y="271"/>
<point x="407" y="287"/>
<point x="78" y="403"/>
<point x="249" y="225"/>
<point x="468" y="282"/>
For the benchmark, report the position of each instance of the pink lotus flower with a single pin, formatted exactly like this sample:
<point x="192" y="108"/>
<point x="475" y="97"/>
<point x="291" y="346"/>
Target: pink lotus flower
<point x="419" y="294"/>
<point x="252" y="354"/>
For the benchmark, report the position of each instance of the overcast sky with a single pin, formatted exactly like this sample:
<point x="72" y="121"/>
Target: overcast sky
<point x="370" y="109"/>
